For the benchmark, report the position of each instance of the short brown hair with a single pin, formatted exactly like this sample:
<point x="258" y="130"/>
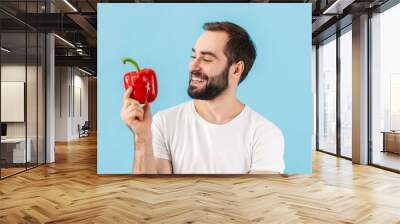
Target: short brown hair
<point x="239" y="47"/>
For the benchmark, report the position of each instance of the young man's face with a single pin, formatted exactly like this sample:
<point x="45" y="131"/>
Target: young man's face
<point x="208" y="69"/>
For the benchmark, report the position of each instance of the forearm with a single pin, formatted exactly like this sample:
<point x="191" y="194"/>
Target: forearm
<point x="145" y="162"/>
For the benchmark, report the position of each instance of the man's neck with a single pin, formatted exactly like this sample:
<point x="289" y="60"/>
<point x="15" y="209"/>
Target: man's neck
<point x="220" y="110"/>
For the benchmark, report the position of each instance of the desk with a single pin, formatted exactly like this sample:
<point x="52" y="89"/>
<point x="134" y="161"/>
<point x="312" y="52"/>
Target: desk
<point x="16" y="147"/>
<point x="391" y="141"/>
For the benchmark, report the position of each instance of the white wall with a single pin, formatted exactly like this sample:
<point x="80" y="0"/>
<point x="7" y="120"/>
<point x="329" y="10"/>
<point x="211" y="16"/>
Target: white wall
<point x="79" y="117"/>
<point x="61" y="103"/>
<point x="12" y="101"/>
<point x="71" y="93"/>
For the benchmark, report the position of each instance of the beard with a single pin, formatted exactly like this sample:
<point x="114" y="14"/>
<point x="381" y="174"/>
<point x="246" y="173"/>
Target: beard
<point x="213" y="88"/>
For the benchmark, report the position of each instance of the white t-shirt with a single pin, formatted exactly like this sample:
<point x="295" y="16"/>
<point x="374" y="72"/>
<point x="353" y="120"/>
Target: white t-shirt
<point x="196" y="146"/>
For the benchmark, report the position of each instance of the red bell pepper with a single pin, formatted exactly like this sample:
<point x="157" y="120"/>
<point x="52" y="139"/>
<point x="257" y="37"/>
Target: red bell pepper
<point x="143" y="82"/>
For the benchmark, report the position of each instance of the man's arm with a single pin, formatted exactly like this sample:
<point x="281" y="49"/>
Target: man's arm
<point x="139" y="120"/>
<point x="145" y="161"/>
<point x="164" y="166"/>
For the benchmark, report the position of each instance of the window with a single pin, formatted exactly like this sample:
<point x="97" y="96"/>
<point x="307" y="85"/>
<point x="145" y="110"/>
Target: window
<point x="385" y="88"/>
<point x="346" y="93"/>
<point x="22" y="77"/>
<point x="327" y="96"/>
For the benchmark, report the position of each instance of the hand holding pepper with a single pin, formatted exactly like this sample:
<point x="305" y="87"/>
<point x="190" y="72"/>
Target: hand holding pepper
<point x="137" y="118"/>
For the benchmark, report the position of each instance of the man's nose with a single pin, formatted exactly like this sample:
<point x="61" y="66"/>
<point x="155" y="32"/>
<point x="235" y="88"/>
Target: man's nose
<point x="194" y="65"/>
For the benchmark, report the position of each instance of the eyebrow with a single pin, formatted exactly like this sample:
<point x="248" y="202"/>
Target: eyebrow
<point x="206" y="53"/>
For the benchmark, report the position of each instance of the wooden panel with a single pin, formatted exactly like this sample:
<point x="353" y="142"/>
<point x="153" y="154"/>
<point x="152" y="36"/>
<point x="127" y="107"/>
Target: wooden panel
<point x="92" y="101"/>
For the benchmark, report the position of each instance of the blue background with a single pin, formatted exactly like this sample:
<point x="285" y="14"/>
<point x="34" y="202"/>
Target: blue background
<point x="161" y="36"/>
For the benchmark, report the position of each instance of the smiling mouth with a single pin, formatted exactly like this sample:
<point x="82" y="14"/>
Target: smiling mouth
<point x="197" y="80"/>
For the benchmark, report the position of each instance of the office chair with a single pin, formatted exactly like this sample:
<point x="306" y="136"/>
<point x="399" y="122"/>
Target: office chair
<point x="84" y="130"/>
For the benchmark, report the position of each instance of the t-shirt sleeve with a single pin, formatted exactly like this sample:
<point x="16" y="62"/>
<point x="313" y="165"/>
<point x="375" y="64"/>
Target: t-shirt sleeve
<point x="160" y="146"/>
<point x="268" y="149"/>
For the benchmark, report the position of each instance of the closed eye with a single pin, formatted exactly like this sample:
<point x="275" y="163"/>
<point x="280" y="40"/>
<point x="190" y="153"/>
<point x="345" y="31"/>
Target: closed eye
<point x="204" y="59"/>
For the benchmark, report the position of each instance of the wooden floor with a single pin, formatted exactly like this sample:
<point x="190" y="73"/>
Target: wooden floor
<point x="70" y="191"/>
<point x="5" y="172"/>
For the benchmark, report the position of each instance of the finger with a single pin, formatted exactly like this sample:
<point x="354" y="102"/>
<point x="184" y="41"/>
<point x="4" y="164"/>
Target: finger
<point x="140" y="114"/>
<point x="136" y="114"/>
<point x="128" y="93"/>
<point x="147" y="110"/>
<point x="135" y="109"/>
<point x="129" y="102"/>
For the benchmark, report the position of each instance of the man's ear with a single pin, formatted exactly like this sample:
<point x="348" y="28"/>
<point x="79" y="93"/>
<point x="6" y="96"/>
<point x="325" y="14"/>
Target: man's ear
<point x="238" y="69"/>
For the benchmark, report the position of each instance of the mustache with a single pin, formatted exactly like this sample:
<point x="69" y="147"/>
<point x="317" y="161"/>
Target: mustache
<point x="199" y="75"/>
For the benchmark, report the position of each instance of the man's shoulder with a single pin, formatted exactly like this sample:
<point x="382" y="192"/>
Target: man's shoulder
<point x="175" y="111"/>
<point x="261" y="123"/>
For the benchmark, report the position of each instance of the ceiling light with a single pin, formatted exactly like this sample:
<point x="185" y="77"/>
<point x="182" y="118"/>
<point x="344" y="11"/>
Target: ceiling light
<point x="84" y="71"/>
<point x="70" y="5"/>
<point x="5" y="50"/>
<point x="338" y="6"/>
<point x="333" y="6"/>
<point x="65" y="41"/>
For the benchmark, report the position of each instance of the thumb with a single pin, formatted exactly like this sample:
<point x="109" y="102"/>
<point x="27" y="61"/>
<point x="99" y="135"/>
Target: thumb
<point x="147" y="110"/>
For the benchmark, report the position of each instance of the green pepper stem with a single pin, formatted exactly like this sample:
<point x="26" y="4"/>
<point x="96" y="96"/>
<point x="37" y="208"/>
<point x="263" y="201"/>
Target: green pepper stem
<point x="132" y="62"/>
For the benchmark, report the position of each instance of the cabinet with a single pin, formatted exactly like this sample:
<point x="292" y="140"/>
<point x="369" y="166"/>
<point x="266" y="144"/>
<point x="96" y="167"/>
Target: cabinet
<point x="391" y="141"/>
